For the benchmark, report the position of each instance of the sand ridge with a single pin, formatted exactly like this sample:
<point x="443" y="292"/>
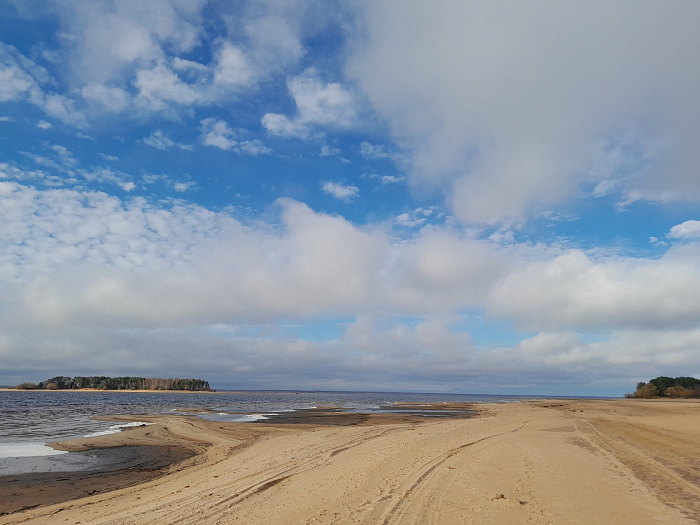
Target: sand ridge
<point x="624" y="461"/>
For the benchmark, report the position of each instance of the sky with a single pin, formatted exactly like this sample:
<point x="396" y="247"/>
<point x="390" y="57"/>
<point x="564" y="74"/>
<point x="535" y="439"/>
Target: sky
<point x="455" y="196"/>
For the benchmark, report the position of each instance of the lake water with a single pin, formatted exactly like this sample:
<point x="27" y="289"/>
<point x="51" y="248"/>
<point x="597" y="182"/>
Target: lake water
<point x="30" y="419"/>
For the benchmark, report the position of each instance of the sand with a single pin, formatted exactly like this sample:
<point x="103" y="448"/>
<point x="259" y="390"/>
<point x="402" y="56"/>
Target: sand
<point x="618" y="462"/>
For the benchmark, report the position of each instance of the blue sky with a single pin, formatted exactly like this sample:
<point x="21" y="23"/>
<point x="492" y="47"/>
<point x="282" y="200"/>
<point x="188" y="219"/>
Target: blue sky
<point x="453" y="197"/>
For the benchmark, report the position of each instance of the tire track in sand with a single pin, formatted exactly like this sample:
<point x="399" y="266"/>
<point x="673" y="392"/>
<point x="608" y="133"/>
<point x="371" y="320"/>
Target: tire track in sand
<point x="401" y="498"/>
<point x="207" y="506"/>
<point x="654" y="470"/>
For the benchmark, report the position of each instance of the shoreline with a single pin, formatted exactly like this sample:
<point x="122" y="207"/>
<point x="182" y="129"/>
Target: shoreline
<point x="111" y="391"/>
<point x="547" y="461"/>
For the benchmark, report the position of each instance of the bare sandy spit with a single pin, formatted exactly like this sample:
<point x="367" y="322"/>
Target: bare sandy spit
<point x="555" y="462"/>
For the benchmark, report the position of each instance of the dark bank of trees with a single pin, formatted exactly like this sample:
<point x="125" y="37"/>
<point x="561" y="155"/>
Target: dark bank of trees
<point x="662" y="386"/>
<point x="118" y="383"/>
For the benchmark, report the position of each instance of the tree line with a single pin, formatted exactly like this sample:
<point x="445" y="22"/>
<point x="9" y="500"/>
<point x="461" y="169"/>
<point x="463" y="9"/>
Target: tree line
<point x="117" y="383"/>
<point x="662" y="386"/>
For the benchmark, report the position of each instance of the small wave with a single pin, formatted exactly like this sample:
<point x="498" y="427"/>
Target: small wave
<point x="247" y="418"/>
<point x="114" y="429"/>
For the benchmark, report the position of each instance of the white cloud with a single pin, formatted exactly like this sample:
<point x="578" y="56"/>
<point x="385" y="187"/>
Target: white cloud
<point x="113" y="48"/>
<point x="108" y="39"/>
<point x="384" y="180"/>
<point x="184" y="186"/>
<point x="275" y="43"/>
<point x="232" y="68"/>
<point x="108" y="176"/>
<point x="254" y="147"/>
<point x="44" y="125"/>
<point x="417" y="217"/>
<point x="329" y="151"/>
<point x="82" y="267"/>
<point x="160" y="86"/>
<point x="17" y="76"/>
<point x="686" y="230"/>
<point x="406" y="221"/>
<point x="322" y="104"/>
<point x="319" y="104"/>
<point x="575" y="291"/>
<point x="340" y="191"/>
<point x="112" y="98"/>
<point x="508" y="108"/>
<point x="280" y="126"/>
<point x="21" y="80"/>
<point x="219" y="134"/>
<point x="160" y="140"/>
<point x="390" y="179"/>
<point x="374" y="152"/>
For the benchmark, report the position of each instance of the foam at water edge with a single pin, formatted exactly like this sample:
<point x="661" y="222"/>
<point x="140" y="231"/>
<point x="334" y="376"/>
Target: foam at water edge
<point x="118" y="428"/>
<point x="26" y="450"/>
<point x="251" y="417"/>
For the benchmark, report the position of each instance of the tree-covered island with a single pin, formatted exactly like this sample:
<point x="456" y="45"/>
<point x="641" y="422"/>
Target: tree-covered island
<point x="117" y="383"/>
<point x="673" y="387"/>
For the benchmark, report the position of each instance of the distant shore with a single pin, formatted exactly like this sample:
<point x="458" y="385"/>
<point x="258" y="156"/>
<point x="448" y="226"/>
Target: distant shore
<point x="538" y="462"/>
<point x="7" y="389"/>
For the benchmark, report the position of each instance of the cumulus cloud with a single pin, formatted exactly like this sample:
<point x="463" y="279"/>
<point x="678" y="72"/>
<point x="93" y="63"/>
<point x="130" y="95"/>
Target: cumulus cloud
<point x="22" y="80"/>
<point x="280" y="126"/>
<point x="374" y="152"/>
<point x="406" y="221"/>
<point x="508" y="108"/>
<point x="340" y="191"/>
<point x="275" y="40"/>
<point x="319" y="105"/>
<point x="384" y="180"/>
<point x="122" y="53"/>
<point x="160" y="140"/>
<point x="110" y="97"/>
<point x="108" y="39"/>
<point x="254" y="147"/>
<point x="219" y="134"/>
<point x="576" y="291"/>
<point x="109" y="176"/>
<point x="232" y="68"/>
<point x="87" y="266"/>
<point x="686" y="230"/>
<point x="417" y="217"/>
<point x="329" y="151"/>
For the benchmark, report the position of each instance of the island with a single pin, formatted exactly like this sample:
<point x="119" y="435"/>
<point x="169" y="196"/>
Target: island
<point x="117" y="383"/>
<point x="663" y="386"/>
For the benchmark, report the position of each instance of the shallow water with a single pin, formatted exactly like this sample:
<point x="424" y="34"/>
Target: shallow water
<point x="29" y="419"/>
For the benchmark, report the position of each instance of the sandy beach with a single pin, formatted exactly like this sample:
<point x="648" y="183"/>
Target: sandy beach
<point x="548" y="462"/>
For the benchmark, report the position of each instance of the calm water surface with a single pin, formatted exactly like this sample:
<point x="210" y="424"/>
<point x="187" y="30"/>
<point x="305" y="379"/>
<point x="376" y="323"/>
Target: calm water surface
<point x="28" y="419"/>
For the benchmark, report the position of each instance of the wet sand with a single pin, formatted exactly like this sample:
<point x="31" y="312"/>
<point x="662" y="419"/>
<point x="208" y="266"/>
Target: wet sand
<point x="626" y="461"/>
<point x="116" y="468"/>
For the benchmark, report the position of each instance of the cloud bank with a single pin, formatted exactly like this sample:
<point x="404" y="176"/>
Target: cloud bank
<point x="506" y="108"/>
<point x="139" y="279"/>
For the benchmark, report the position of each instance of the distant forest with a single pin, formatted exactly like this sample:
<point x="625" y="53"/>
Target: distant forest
<point x="117" y="383"/>
<point x="674" y="387"/>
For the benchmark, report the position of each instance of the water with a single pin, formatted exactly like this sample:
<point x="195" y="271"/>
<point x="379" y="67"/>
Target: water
<point x="30" y="419"/>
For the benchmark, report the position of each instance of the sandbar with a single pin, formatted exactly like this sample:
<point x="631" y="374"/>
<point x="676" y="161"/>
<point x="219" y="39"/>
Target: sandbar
<point x="536" y="462"/>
